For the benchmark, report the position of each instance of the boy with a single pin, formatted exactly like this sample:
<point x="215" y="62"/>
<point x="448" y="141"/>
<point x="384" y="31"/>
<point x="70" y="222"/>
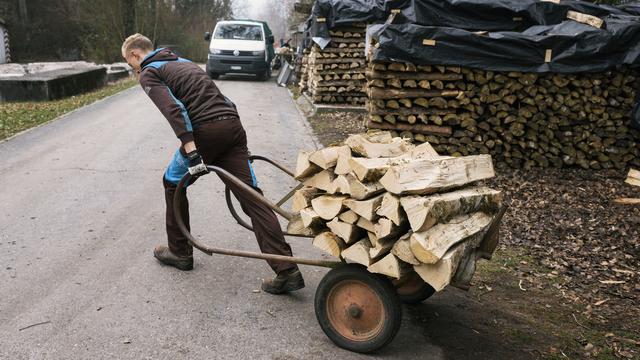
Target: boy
<point x="210" y="132"/>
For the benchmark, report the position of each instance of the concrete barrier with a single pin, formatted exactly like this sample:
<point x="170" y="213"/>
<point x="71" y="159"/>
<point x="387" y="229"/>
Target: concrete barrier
<point x="51" y="85"/>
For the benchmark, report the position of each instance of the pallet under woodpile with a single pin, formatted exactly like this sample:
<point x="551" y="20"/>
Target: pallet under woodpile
<point x="523" y="119"/>
<point x="335" y="74"/>
<point x="398" y="208"/>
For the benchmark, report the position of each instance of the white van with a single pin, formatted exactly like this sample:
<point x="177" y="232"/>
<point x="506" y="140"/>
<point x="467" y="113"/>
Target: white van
<point x="240" y="47"/>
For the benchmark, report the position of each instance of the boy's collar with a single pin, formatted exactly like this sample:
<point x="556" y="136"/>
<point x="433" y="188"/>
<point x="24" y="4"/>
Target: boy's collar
<point x="149" y="55"/>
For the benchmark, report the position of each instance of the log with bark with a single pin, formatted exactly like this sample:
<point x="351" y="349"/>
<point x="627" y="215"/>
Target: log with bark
<point x="522" y="119"/>
<point x="335" y="74"/>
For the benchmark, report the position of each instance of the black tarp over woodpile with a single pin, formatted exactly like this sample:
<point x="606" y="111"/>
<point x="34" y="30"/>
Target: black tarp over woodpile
<point x="474" y="15"/>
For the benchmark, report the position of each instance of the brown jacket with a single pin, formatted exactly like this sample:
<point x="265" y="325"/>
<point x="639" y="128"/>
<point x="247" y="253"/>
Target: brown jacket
<point x="183" y="92"/>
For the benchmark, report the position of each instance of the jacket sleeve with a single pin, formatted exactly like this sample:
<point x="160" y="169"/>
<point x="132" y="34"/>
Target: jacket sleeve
<point x="171" y="107"/>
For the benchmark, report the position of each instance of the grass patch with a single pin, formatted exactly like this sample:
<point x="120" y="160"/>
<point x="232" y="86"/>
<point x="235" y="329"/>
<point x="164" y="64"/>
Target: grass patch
<point x="19" y="116"/>
<point x="295" y="91"/>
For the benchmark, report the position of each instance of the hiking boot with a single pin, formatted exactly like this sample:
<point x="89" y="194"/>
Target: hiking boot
<point x="165" y="256"/>
<point x="284" y="282"/>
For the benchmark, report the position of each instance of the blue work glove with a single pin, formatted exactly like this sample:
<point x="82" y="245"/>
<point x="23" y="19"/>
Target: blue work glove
<point x="196" y="165"/>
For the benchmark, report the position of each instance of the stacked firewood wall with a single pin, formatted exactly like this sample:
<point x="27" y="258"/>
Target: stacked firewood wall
<point x="523" y="119"/>
<point x="303" y="73"/>
<point x="335" y="74"/>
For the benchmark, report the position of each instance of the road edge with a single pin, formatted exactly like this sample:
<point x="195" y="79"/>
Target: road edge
<point x="305" y="120"/>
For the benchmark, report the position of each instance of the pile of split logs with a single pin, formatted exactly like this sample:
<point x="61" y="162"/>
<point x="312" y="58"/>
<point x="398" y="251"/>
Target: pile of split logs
<point x="335" y="74"/>
<point x="523" y="119"/>
<point x="395" y="207"/>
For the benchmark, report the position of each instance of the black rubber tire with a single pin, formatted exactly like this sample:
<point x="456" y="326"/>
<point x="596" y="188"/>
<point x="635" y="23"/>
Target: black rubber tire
<point x="425" y="292"/>
<point x="383" y="290"/>
<point x="214" y="76"/>
<point x="413" y="290"/>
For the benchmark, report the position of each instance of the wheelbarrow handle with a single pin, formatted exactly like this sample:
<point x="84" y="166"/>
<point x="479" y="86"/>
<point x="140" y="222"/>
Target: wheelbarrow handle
<point x="257" y="197"/>
<point x="262" y="158"/>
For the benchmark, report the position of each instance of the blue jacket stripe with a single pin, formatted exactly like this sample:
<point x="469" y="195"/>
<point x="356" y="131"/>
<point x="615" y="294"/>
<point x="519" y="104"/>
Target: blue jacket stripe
<point x="183" y="110"/>
<point x="155" y="64"/>
<point x="152" y="54"/>
<point x="254" y="181"/>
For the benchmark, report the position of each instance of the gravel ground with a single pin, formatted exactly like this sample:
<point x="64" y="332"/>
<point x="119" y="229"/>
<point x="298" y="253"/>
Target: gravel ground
<point x="567" y="221"/>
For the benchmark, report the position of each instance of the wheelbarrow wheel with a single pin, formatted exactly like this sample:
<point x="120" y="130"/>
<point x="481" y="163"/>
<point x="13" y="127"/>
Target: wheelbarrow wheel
<point x="414" y="290"/>
<point x="359" y="311"/>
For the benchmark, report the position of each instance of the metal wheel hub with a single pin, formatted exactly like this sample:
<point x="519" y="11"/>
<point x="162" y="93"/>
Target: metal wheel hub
<point x="355" y="310"/>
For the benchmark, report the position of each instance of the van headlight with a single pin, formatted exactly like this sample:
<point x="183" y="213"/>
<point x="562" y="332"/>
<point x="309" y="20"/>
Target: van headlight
<point x="257" y="53"/>
<point x="216" y="51"/>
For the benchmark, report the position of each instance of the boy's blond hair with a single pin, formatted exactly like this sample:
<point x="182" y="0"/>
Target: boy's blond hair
<point x="136" y="41"/>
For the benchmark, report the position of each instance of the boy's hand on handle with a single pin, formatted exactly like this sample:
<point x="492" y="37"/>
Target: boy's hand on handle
<point x="196" y="165"/>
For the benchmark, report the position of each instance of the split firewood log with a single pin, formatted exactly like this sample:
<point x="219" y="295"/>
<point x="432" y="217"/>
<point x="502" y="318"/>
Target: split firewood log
<point x="362" y="191"/>
<point x="390" y="266"/>
<point x="380" y="248"/>
<point x="348" y="232"/>
<point x="295" y="226"/>
<point x="365" y="208"/>
<point x="349" y="217"/>
<point x="402" y="249"/>
<point x="342" y="164"/>
<point x="340" y="186"/>
<point x="429" y="246"/>
<point x="302" y="198"/>
<point x="439" y="275"/>
<point x="366" y="224"/>
<point x="304" y="168"/>
<point x="369" y="170"/>
<point x="328" y="206"/>
<point x="322" y="180"/>
<point x="386" y="230"/>
<point x="359" y="144"/>
<point x="310" y="218"/>
<point x="425" y="212"/>
<point x="424" y="176"/>
<point x="391" y="209"/>
<point x="329" y="243"/>
<point x="358" y="253"/>
<point x="326" y="158"/>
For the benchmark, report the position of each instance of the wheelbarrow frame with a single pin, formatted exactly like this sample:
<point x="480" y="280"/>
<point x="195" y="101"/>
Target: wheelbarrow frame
<point x="347" y="294"/>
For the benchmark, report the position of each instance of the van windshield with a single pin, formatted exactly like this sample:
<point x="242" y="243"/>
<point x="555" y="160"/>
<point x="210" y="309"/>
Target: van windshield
<point x="238" y="32"/>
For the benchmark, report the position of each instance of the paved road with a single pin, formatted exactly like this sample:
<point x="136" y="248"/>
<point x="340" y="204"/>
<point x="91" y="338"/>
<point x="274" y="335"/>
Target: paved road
<point x="81" y="208"/>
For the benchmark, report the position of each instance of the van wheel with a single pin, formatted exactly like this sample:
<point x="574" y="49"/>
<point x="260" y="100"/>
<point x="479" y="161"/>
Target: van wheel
<point x="266" y="75"/>
<point x="214" y="76"/>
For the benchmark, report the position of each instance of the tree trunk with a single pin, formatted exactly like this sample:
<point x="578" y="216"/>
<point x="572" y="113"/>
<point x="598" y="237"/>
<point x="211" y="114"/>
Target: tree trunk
<point x="129" y="16"/>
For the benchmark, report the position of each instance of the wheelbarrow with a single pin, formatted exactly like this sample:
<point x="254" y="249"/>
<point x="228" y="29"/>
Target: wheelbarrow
<point x="358" y="310"/>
